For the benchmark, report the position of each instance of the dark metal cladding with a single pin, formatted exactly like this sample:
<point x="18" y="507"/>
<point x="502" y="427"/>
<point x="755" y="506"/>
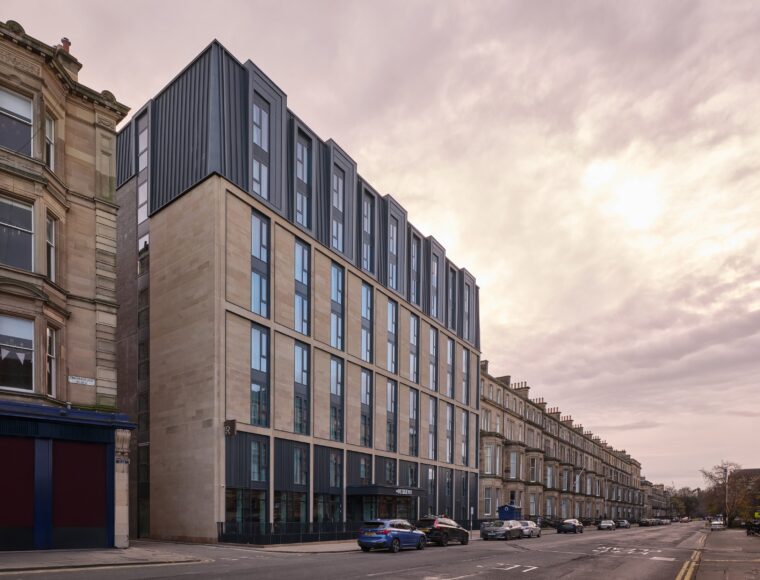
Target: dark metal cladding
<point x="125" y="155"/>
<point x="353" y="469"/>
<point x="322" y="469"/>
<point x="180" y="144"/>
<point x="238" y="461"/>
<point x="445" y="491"/>
<point x="427" y="500"/>
<point x="408" y="473"/>
<point x="234" y="120"/>
<point x="283" y="465"/>
<point x="380" y="470"/>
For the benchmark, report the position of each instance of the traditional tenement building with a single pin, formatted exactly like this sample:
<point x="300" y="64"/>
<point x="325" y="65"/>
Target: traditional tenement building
<point x="656" y="500"/>
<point x="534" y="458"/>
<point x="298" y="355"/>
<point x="63" y="449"/>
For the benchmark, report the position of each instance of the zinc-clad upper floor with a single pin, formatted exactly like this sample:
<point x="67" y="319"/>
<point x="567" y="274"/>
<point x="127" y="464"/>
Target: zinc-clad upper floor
<point x="219" y="116"/>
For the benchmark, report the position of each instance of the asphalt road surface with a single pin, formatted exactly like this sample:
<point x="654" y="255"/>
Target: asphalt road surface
<point x="634" y="554"/>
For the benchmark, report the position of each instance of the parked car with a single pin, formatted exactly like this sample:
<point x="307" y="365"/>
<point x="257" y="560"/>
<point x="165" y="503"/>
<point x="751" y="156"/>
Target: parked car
<point x="530" y="529"/>
<point x="392" y="535"/>
<point x="442" y="530"/>
<point x="606" y="525"/>
<point x="716" y="525"/>
<point x="571" y="526"/>
<point x="501" y="530"/>
<point x="623" y="524"/>
<point x="685" y="520"/>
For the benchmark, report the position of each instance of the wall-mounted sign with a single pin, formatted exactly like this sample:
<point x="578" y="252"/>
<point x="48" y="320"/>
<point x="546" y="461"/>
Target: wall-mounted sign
<point x="81" y="381"/>
<point x="401" y="491"/>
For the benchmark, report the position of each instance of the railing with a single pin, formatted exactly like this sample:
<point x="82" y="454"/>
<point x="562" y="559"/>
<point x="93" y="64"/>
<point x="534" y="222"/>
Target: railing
<point x="287" y="532"/>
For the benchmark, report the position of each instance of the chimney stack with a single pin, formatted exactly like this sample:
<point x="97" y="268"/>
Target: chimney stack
<point x="66" y="44"/>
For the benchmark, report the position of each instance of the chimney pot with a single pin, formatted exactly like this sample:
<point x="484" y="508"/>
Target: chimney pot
<point x="66" y="44"/>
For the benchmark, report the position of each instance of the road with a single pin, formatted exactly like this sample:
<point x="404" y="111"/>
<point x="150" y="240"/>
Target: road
<point x="638" y="553"/>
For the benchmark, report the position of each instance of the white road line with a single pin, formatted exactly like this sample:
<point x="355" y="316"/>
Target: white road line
<point x="529" y="568"/>
<point x="663" y="559"/>
<point x="510" y="568"/>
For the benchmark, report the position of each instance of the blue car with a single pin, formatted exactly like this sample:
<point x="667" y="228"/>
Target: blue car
<point x="392" y="535"/>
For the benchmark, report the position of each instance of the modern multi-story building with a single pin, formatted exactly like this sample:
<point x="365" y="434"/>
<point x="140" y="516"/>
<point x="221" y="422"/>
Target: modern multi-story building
<point x="296" y="353"/>
<point x="63" y="449"/>
<point x="534" y="458"/>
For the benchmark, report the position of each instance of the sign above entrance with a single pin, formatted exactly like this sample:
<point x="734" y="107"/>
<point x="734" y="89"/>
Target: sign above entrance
<point x="402" y="491"/>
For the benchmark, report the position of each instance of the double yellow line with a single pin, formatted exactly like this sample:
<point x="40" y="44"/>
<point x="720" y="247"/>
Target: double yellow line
<point x="689" y="568"/>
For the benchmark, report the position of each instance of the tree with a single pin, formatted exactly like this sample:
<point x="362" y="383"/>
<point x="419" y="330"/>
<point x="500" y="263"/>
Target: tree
<point x="729" y="493"/>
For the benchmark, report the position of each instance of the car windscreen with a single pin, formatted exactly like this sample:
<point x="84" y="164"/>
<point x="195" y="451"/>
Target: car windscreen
<point x="374" y="524"/>
<point x="425" y="523"/>
<point x="495" y="523"/>
<point x="524" y="523"/>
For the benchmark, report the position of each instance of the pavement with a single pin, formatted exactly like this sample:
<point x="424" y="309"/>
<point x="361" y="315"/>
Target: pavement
<point x="729" y="555"/>
<point x="141" y="554"/>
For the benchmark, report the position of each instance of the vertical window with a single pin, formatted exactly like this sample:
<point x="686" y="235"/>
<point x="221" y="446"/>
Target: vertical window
<point x="259" y="376"/>
<point x="487" y="501"/>
<point x="414" y="348"/>
<point x="452" y="298"/>
<point x="52" y="374"/>
<point x="260" y="264"/>
<point x="17" y="345"/>
<point x="50" y="142"/>
<point x="300" y="466"/>
<point x="414" y="421"/>
<point x="336" y="469"/>
<point x="142" y="169"/>
<point x="336" y="208"/>
<point x="15" y="122"/>
<point x="390" y="471"/>
<point x="514" y="465"/>
<point x="365" y="437"/>
<point x="302" y="271"/>
<point x="391" y="416"/>
<point x="365" y="470"/>
<point x="366" y="345"/>
<point x="533" y="469"/>
<point x="336" y="306"/>
<point x="432" y="428"/>
<point x="259" y="463"/>
<point x="433" y="367"/>
<point x="450" y="367"/>
<point x="466" y="313"/>
<point x="434" y="287"/>
<point x="16" y="234"/>
<point x="303" y="182"/>
<point x="392" y="336"/>
<point x="466" y="376"/>
<point x="301" y="395"/>
<point x="260" y="147"/>
<point x="50" y="229"/>
<point x="449" y="433"/>
<point x="415" y="270"/>
<point x="393" y="254"/>
<point x="368" y="233"/>
<point x="465" y="439"/>
<point x="336" y="399"/>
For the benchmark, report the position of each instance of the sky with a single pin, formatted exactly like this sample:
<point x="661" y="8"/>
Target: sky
<point x="594" y="164"/>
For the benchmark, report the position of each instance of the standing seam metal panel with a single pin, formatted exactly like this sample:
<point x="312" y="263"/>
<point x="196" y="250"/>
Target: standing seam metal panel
<point x="235" y="141"/>
<point x="125" y="158"/>
<point x="180" y="129"/>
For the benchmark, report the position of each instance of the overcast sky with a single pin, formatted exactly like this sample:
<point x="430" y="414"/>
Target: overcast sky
<point x="598" y="164"/>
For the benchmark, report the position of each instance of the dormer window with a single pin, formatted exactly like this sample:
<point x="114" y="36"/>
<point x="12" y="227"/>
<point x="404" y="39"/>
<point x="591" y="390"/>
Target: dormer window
<point x="15" y="122"/>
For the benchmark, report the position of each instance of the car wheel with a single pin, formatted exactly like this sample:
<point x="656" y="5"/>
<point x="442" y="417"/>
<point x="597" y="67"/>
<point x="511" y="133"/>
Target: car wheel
<point x="444" y="541"/>
<point x="395" y="546"/>
<point x="365" y="549"/>
<point x="421" y="543"/>
<point x="465" y="540"/>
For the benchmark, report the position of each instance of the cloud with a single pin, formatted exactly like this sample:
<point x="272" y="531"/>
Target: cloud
<point x="592" y="163"/>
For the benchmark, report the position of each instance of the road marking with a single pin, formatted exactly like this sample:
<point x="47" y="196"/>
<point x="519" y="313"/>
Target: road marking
<point x="662" y="559"/>
<point x="510" y="568"/>
<point x="529" y="568"/>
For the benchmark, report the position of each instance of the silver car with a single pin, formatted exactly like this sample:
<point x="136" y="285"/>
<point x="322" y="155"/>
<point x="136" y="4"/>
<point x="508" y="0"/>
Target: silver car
<point x="530" y="529"/>
<point x="606" y="525"/>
